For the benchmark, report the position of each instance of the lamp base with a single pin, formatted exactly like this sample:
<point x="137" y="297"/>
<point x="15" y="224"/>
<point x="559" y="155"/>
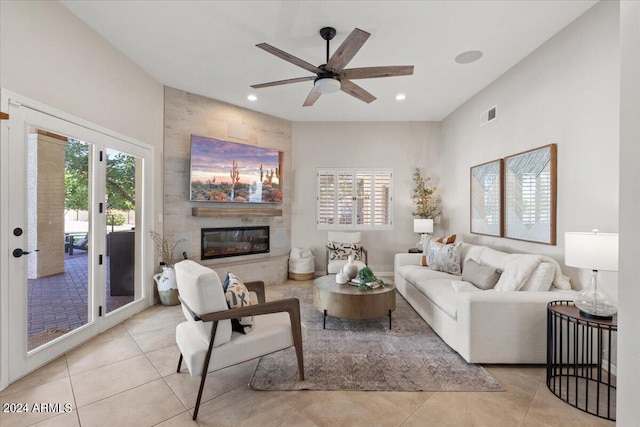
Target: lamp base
<point x="595" y="316"/>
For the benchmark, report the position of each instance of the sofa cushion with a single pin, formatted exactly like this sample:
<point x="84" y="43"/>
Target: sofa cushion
<point x="441" y="293"/>
<point x="415" y="273"/>
<point x="541" y="278"/>
<point x="482" y="276"/>
<point x="493" y="258"/>
<point x="445" y="257"/>
<point x="460" y="286"/>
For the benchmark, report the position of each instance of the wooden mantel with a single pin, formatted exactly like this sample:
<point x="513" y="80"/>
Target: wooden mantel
<point x="237" y="212"/>
<point x="4" y="116"/>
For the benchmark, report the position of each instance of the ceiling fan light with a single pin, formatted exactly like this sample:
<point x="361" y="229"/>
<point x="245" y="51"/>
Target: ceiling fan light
<point x="327" y="85"/>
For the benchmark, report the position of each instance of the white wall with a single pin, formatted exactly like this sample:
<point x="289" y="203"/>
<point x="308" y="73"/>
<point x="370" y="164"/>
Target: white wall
<point x="566" y="92"/>
<point x="401" y="146"/>
<point x="629" y="321"/>
<point x="48" y="55"/>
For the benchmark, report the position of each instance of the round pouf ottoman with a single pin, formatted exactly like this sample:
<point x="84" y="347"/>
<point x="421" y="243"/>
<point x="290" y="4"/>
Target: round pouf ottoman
<point x="302" y="264"/>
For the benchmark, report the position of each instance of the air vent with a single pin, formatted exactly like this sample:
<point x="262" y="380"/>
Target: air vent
<point x="488" y="116"/>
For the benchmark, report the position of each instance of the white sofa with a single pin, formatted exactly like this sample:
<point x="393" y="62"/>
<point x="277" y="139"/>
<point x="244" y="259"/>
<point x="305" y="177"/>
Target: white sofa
<point x="484" y="326"/>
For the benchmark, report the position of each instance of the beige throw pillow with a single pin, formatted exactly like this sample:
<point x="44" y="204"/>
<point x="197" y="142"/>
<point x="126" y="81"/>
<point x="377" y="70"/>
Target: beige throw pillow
<point x="482" y="276"/>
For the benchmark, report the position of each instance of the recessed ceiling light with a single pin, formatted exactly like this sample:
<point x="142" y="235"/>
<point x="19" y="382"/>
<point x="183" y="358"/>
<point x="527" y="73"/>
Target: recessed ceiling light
<point x="400" y="97"/>
<point x="252" y="98"/>
<point x="468" y="57"/>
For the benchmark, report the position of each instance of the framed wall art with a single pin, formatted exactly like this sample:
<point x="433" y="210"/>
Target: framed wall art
<point x="225" y="171"/>
<point x="530" y="180"/>
<point x="486" y="198"/>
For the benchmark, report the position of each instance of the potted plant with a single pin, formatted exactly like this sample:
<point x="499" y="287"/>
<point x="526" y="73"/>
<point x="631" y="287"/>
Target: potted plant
<point x="166" y="281"/>
<point x="425" y="197"/>
<point x="427" y="205"/>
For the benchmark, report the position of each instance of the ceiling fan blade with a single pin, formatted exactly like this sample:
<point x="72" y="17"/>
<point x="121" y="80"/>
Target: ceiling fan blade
<point x="347" y="50"/>
<point x="288" y="57"/>
<point x="356" y="91"/>
<point x="374" y="72"/>
<point x="311" y="98"/>
<point x="283" y="82"/>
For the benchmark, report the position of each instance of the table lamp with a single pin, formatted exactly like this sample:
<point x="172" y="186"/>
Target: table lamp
<point x="596" y="251"/>
<point x="422" y="226"/>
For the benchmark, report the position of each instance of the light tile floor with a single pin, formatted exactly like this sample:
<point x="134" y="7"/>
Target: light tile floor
<point x="126" y="377"/>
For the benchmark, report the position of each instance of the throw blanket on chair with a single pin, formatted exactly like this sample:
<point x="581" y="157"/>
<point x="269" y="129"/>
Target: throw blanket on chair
<point x="520" y="267"/>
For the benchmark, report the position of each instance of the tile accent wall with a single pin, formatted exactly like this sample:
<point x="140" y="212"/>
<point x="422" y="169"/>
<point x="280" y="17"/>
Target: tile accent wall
<point x="187" y="114"/>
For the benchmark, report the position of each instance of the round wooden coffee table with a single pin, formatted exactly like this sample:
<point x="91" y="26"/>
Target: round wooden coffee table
<point x="349" y="302"/>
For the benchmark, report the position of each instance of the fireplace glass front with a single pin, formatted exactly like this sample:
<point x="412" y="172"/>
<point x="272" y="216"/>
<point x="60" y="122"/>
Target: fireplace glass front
<point x="234" y="241"/>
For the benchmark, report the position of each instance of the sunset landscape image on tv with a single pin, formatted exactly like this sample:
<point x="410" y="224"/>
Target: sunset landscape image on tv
<point x="223" y="171"/>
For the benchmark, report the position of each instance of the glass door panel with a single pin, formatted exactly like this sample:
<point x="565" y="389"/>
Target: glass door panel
<point x="58" y="229"/>
<point x="122" y="211"/>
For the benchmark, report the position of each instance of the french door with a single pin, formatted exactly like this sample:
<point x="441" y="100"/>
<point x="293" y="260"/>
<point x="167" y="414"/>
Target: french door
<point x="76" y="224"/>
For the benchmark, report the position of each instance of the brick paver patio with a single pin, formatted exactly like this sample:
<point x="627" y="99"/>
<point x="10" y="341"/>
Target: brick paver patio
<point x="60" y="301"/>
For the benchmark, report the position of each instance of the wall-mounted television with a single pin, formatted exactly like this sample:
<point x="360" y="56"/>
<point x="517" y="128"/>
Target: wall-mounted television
<point x="224" y="171"/>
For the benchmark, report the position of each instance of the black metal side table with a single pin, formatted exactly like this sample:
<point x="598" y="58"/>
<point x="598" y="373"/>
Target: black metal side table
<point x="579" y="359"/>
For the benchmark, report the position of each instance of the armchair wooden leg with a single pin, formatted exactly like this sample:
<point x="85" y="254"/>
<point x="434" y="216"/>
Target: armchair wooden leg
<point x="179" y="363"/>
<point x="205" y="368"/>
<point x="296" y="330"/>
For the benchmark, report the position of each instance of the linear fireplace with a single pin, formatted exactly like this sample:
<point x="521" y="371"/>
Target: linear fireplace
<point x="234" y="241"/>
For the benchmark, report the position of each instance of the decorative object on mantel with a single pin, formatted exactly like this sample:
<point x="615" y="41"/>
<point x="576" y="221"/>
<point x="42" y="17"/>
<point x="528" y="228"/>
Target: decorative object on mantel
<point x="424" y="227"/>
<point x="4" y="116"/>
<point x="425" y="197"/>
<point x="530" y="195"/>
<point x="223" y="171"/>
<point x="235" y="212"/>
<point x="486" y="198"/>
<point x="596" y="251"/>
<point x="166" y="281"/>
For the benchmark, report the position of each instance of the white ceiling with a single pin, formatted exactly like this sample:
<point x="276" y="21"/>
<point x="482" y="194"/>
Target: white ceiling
<point x="208" y="48"/>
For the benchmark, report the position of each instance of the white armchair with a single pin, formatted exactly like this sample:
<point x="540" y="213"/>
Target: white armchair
<point x="342" y="244"/>
<point x="206" y="341"/>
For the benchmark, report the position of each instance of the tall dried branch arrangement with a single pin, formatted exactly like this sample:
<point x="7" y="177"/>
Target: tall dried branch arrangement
<point x="165" y="251"/>
<point x="425" y="197"/>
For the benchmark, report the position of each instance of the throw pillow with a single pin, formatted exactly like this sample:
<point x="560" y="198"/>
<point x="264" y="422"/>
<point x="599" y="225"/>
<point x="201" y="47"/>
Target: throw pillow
<point x="237" y="295"/>
<point x="447" y="240"/>
<point x="482" y="276"/>
<point x="424" y="259"/>
<point x="445" y="258"/>
<point x="541" y="278"/>
<point x="339" y="250"/>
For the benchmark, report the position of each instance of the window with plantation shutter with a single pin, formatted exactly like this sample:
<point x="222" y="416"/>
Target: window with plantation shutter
<point x="354" y="198"/>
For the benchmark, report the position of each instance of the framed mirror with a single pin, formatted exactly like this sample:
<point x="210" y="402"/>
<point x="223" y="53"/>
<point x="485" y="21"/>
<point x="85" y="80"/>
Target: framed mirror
<point x="486" y="197"/>
<point x="530" y="195"/>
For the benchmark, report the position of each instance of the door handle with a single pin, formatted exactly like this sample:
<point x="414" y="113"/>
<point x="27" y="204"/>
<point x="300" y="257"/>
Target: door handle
<point x="19" y="252"/>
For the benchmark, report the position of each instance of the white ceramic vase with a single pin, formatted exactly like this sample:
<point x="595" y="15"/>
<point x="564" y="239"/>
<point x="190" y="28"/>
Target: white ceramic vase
<point x="167" y="286"/>
<point x="350" y="269"/>
<point x="342" y="278"/>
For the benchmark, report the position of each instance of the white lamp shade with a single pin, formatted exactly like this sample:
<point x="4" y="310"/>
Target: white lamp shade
<point x="595" y="251"/>
<point x="327" y="85"/>
<point x="423" y="226"/>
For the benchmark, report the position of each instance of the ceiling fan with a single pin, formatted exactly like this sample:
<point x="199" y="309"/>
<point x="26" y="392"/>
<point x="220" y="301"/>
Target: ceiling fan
<point x="333" y="76"/>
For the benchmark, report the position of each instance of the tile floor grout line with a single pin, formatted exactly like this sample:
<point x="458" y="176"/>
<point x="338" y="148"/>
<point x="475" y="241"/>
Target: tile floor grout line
<point x="73" y="393"/>
<point x="526" y="415"/>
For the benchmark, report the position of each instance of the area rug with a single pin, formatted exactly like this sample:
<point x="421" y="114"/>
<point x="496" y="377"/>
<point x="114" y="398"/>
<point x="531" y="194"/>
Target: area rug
<point x="366" y="355"/>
